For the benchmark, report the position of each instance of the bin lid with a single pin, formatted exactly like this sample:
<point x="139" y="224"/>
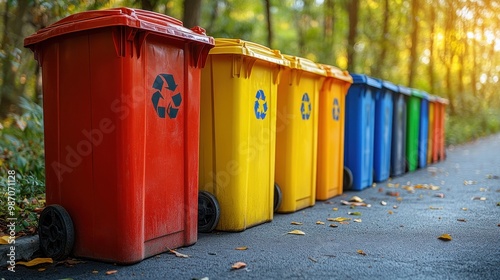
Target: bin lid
<point x="363" y="79"/>
<point x="246" y="48"/>
<point x="140" y="19"/>
<point x="419" y="93"/>
<point x="305" y="64"/>
<point x="404" y="90"/>
<point x="442" y="100"/>
<point x="337" y="73"/>
<point x="390" y="86"/>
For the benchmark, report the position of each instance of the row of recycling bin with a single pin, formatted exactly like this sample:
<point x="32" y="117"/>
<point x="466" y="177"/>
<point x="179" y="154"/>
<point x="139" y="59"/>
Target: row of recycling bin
<point x="154" y="131"/>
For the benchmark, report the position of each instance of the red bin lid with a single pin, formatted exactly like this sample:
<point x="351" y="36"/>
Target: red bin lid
<point x="140" y="19"/>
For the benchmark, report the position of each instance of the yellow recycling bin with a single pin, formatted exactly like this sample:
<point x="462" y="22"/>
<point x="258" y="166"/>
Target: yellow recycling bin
<point x="297" y="133"/>
<point x="329" y="180"/>
<point x="239" y="87"/>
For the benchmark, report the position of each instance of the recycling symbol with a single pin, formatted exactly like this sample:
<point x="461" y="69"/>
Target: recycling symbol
<point x="305" y="107"/>
<point x="165" y="83"/>
<point x="260" y="105"/>
<point x="336" y="109"/>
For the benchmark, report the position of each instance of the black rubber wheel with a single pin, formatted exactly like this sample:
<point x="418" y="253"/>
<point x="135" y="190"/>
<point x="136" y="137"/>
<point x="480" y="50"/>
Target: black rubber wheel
<point x="56" y="232"/>
<point x="208" y="212"/>
<point x="347" y="178"/>
<point x="278" y="197"/>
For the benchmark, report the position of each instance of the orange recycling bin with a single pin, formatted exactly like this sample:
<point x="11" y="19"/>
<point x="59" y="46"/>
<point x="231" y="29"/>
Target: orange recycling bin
<point x="431" y="136"/>
<point x="440" y="138"/>
<point x="121" y="116"/>
<point x="329" y="180"/>
<point x="297" y="133"/>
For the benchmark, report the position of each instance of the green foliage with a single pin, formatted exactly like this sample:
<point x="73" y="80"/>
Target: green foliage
<point x="22" y="151"/>
<point x="464" y="128"/>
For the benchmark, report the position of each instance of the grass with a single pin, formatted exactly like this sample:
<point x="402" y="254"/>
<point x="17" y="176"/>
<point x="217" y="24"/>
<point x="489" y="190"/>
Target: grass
<point x="465" y="128"/>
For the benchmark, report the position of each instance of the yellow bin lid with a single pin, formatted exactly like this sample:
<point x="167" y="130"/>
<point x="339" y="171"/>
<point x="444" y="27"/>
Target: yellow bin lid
<point x="305" y="64"/>
<point x="246" y="48"/>
<point x="335" y="72"/>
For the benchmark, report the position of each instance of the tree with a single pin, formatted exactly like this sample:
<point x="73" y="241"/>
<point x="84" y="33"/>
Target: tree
<point x="353" y="11"/>
<point x="267" y="4"/>
<point x="412" y="72"/>
<point x="192" y="12"/>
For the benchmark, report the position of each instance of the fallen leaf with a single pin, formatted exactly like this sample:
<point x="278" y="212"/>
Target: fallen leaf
<point x="95" y="272"/>
<point x="70" y="262"/>
<point x="461" y="220"/>
<point x="491" y="176"/>
<point x="440" y="195"/>
<point x="395" y="207"/>
<point x="479" y="198"/>
<point x="355" y="199"/>
<point x="390" y="212"/>
<point x="355" y="203"/>
<point x="361" y="252"/>
<point x="391" y="185"/>
<point x="344" y="223"/>
<point x="320" y="223"/>
<point x="297" y="232"/>
<point x="36" y="261"/>
<point x="383" y="203"/>
<point x="357" y="220"/>
<point x="335" y="209"/>
<point x="242" y="248"/>
<point x="354" y="213"/>
<point x="313" y="259"/>
<point x="399" y="199"/>
<point x="469" y="182"/>
<point x="109" y="272"/>
<point x="464" y="209"/>
<point x="338" y="219"/>
<point x="483" y="189"/>
<point x="177" y="254"/>
<point x="498" y="203"/>
<point x="392" y="193"/>
<point x="42" y="269"/>
<point x="435" y="208"/>
<point x="333" y="225"/>
<point x="4" y="240"/>
<point x="296" y="223"/>
<point x="445" y="237"/>
<point x="238" y="265"/>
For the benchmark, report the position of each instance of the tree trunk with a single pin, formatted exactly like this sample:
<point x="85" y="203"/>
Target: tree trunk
<point x="414" y="42"/>
<point x="149" y="5"/>
<point x="328" y="34"/>
<point x="353" y="11"/>
<point x="432" y="20"/>
<point x="269" y="23"/>
<point x="192" y="12"/>
<point x="378" y="66"/>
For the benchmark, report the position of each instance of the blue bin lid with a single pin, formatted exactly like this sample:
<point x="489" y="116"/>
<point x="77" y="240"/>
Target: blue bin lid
<point x="390" y="86"/>
<point x="363" y="79"/>
<point x="404" y="90"/>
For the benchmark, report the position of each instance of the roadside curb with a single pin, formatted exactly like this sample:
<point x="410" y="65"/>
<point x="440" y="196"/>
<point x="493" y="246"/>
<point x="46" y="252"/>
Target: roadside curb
<point x="25" y="247"/>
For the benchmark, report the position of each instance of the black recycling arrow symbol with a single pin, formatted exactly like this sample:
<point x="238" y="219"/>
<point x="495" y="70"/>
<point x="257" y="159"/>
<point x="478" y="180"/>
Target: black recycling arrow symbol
<point x="158" y="84"/>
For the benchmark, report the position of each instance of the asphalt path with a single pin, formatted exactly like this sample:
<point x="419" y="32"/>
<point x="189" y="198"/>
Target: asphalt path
<point x="398" y="240"/>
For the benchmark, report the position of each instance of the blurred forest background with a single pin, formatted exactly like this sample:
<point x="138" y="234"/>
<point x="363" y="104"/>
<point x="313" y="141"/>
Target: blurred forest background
<point x="449" y="48"/>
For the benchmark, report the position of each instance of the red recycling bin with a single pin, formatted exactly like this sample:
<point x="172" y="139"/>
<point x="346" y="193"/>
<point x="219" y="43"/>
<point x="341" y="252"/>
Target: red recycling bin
<point x="121" y="115"/>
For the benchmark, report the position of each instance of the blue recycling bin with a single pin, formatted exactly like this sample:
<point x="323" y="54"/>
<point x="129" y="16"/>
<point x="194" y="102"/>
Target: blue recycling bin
<point x="359" y="130"/>
<point x="423" y="130"/>
<point x="398" y="151"/>
<point x="383" y="131"/>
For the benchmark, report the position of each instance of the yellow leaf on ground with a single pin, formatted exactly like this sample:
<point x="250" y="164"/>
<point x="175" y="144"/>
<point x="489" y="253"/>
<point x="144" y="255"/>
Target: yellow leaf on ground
<point x="36" y="261"/>
<point x="242" y="248"/>
<point x="320" y="223"/>
<point x="297" y="232"/>
<point x="445" y="237"/>
<point x="338" y="219"/>
<point x="357" y="220"/>
<point x="355" y="199"/>
<point x="296" y="223"/>
<point x="238" y="265"/>
<point x="4" y="240"/>
<point x="361" y="252"/>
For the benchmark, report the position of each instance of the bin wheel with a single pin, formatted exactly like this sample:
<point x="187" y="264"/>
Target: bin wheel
<point x="278" y="197"/>
<point x="56" y="232"/>
<point x="347" y="178"/>
<point x="208" y="212"/>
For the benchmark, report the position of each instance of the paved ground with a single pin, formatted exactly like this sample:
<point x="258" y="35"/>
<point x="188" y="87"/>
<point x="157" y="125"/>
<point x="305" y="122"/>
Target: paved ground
<point x="398" y="240"/>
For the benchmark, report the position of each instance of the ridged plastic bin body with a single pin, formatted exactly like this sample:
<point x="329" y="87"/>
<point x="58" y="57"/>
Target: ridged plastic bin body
<point x="398" y="151"/>
<point x="331" y="121"/>
<point x="432" y="131"/>
<point x="121" y="120"/>
<point x="238" y="128"/>
<point x="441" y="132"/>
<point x="360" y="129"/>
<point x="413" y="127"/>
<point x="383" y="132"/>
<point x="423" y="132"/>
<point x="297" y="133"/>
